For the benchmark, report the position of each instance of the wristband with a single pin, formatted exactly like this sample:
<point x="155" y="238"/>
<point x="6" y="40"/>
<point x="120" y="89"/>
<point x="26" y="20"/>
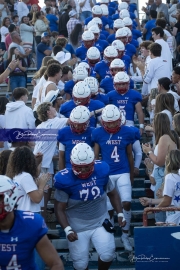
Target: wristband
<point x="121" y="215"/>
<point x="10" y="69"/>
<point x="141" y="126"/>
<point x="68" y="230"/>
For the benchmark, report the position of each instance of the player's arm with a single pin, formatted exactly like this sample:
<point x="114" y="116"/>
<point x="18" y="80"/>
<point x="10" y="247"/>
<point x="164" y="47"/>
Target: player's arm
<point x="49" y="254"/>
<point x="116" y="203"/>
<point x="60" y="208"/>
<point x="96" y="151"/>
<point x="140" y="114"/>
<point x="131" y="162"/>
<point x="61" y="160"/>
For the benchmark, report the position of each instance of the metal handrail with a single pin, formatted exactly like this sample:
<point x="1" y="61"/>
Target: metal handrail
<point x="154" y="210"/>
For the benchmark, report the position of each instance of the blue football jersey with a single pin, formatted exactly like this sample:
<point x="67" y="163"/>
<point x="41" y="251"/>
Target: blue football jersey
<point x="136" y="132"/>
<point x="108" y="85"/>
<point x="113" y="148"/>
<point x="111" y="38"/>
<point x="101" y="43"/>
<point x="81" y="51"/>
<point x="130" y="50"/>
<point x="69" y="139"/>
<point x="102" y="97"/>
<point x="17" y="245"/>
<point x="93" y="105"/>
<point x="84" y="190"/>
<point x="102" y="69"/>
<point x="135" y="43"/>
<point x="126" y="103"/>
<point x="127" y="61"/>
<point x="68" y="87"/>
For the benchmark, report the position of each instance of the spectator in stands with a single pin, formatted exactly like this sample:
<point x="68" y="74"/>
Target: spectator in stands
<point x="176" y="30"/>
<point x="176" y="126"/>
<point x="40" y="26"/>
<point x="9" y="69"/>
<point x="63" y="42"/>
<point x="162" y="8"/>
<point x="4" y="10"/>
<point x="8" y="39"/>
<point x="164" y="87"/>
<point x="15" y="20"/>
<point x="22" y="9"/>
<point x="63" y="19"/>
<point x="33" y="11"/>
<point x="53" y="19"/>
<point x="172" y="11"/>
<point x="75" y="36"/>
<point x="72" y="21"/>
<point x="43" y="48"/>
<point x="86" y="9"/>
<point x="18" y="75"/>
<point x="47" y="5"/>
<point x="176" y="78"/>
<point x="164" y="143"/>
<point x="26" y="32"/>
<point x="4" y="32"/>
<point x="66" y="76"/>
<point x="156" y="67"/>
<point x="150" y="24"/>
<point x="17" y="114"/>
<point x="157" y="35"/>
<point x="3" y="102"/>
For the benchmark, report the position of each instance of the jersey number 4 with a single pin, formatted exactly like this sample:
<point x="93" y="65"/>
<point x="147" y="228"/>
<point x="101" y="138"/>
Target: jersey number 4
<point x="115" y="155"/>
<point x="12" y="265"/>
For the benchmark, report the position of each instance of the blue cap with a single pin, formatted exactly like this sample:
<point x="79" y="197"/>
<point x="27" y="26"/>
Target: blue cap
<point x="45" y="34"/>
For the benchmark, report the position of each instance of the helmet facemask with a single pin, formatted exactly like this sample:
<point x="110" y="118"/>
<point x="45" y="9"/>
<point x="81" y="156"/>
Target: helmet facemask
<point x="83" y="171"/>
<point x="112" y="127"/>
<point x="121" y="87"/>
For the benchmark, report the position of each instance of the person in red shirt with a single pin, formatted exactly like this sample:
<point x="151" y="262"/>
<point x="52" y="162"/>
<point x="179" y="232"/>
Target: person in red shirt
<point x="8" y="39"/>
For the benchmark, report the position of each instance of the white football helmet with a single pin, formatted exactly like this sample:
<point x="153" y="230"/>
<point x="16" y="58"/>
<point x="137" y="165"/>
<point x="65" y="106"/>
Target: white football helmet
<point x="118" y="24"/>
<point x="110" y="53"/>
<point x="79" y="73"/>
<point x="104" y="1"/>
<point x="95" y="29"/>
<point x="123" y="14"/>
<point x="97" y="11"/>
<point x="122" y="35"/>
<point x="111" y="119"/>
<point x="98" y="21"/>
<point x="88" y="39"/>
<point x="93" y="84"/>
<point x="121" y="82"/>
<point x="93" y="56"/>
<point x="122" y="6"/>
<point x="82" y="156"/>
<point x="91" y="23"/>
<point x="116" y="66"/>
<point x="10" y="194"/>
<point x="81" y="93"/>
<point x="105" y="11"/>
<point x="79" y="119"/>
<point x="85" y="65"/>
<point x="129" y="33"/>
<point x="127" y="21"/>
<point x="119" y="45"/>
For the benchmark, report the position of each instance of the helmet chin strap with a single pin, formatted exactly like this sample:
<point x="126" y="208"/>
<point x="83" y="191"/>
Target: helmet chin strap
<point x="3" y="215"/>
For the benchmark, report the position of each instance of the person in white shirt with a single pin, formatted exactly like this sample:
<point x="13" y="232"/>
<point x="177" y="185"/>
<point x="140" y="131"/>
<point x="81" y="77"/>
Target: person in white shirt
<point x="4" y="32"/>
<point x="22" y="9"/>
<point x="164" y="87"/>
<point x="171" y="191"/>
<point x="48" y="115"/>
<point x="17" y="114"/>
<point x="157" y="35"/>
<point x="86" y="9"/>
<point x="47" y="4"/>
<point x="156" y="67"/>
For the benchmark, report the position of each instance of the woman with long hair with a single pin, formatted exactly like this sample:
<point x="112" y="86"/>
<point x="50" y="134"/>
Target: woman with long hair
<point x="26" y="32"/>
<point x="4" y="32"/>
<point x="33" y="10"/>
<point x="41" y="25"/>
<point x="171" y="190"/>
<point x="4" y="157"/>
<point x="75" y="36"/>
<point x="164" y="143"/>
<point x="18" y="75"/>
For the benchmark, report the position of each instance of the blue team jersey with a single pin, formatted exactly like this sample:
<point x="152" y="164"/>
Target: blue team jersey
<point x="17" y="245"/>
<point x="102" y="69"/>
<point x="105" y="33"/>
<point x="88" y="189"/>
<point x="102" y="97"/>
<point x="135" y="43"/>
<point x="127" y="61"/>
<point x="130" y="50"/>
<point x="93" y="105"/>
<point x="101" y="43"/>
<point x="149" y="26"/>
<point x="108" y="85"/>
<point x="69" y="139"/>
<point x="132" y="7"/>
<point x="68" y="87"/>
<point x="105" y="21"/>
<point x="113" y="148"/>
<point x="136" y="132"/>
<point x="102" y="36"/>
<point x="136" y="33"/>
<point x="126" y="103"/>
<point x="81" y="51"/>
<point x="111" y="38"/>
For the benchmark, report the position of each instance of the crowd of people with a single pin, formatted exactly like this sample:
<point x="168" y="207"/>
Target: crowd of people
<point x="99" y="71"/>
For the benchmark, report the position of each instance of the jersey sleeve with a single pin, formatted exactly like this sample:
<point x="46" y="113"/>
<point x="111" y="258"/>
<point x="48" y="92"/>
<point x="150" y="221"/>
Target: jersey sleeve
<point x="60" y="136"/>
<point x="169" y="186"/>
<point x="61" y="196"/>
<point x="95" y="135"/>
<point x="39" y="226"/>
<point x="68" y="87"/>
<point x="28" y="183"/>
<point x="65" y="109"/>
